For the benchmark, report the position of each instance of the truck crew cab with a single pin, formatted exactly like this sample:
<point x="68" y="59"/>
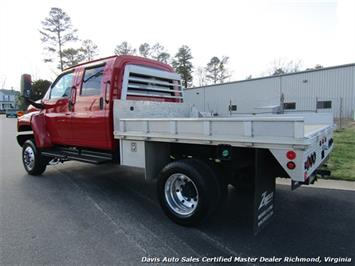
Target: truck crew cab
<point x="130" y="110"/>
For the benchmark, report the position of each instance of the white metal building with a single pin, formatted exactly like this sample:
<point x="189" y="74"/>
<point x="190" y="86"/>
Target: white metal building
<point x="330" y="89"/>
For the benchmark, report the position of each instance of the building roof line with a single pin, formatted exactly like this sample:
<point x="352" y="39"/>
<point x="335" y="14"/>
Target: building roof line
<point x="8" y="92"/>
<point x="276" y="76"/>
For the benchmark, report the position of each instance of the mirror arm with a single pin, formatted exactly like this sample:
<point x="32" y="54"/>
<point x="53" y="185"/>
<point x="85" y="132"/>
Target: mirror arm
<point x="33" y="103"/>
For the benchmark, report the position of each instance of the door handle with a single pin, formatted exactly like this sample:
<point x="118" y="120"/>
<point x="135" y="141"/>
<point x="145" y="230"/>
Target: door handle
<point x="73" y="94"/>
<point x="101" y="103"/>
<point x="107" y="91"/>
<point x="72" y="98"/>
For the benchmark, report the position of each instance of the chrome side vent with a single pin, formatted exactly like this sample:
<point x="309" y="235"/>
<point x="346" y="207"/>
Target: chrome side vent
<point x="149" y="82"/>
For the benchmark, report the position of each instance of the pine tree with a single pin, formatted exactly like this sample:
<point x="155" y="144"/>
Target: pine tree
<point x="88" y="50"/>
<point x="72" y="57"/>
<point x="212" y="69"/>
<point x="183" y="66"/>
<point x="216" y="69"/>
<point x="156" y="52"/>
<point x="144" y="50"/>
<point x="159" y="53"/>
<point x="57" y="30"/>
<point x="124" y="49"/>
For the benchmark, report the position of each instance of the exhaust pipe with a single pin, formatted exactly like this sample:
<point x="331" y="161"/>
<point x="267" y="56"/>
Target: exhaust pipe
<point x="55" y="161"/>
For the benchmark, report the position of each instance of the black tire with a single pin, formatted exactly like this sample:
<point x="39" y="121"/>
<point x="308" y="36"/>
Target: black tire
<point x="205" y="182"/>
<point x="39" y="163"/>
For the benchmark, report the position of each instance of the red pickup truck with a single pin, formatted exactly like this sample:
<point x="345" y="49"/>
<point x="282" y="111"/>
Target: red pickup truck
<point x="130" y="110"/>
<point x="78" y="106"/>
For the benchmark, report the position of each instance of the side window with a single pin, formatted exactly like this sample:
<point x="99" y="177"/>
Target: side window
<point x="61" y="88"/>
<point x="324" y="104"/>
<point x="92" y="81"/>
<point x="290" y="106"/>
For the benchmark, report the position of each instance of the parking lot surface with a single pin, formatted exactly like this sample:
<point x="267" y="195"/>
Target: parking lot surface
<point x="80" y="214"/>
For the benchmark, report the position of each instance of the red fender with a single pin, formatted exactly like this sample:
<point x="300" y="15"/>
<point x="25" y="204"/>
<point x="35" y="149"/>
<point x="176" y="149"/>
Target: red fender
<point x="42" y="137"/>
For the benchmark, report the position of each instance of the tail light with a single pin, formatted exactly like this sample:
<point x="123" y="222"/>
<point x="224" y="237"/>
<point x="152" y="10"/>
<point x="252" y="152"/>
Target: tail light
<point x="291" y="165"/>
<point x="291" y="155"/>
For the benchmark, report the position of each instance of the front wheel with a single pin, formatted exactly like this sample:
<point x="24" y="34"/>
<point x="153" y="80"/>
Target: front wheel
<point x="188" y="191"/>
<point x="33" y="161"/>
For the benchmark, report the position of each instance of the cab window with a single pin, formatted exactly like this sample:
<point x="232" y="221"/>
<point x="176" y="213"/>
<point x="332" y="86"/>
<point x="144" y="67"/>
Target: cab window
<point x="92" y="81"/>
<point x="62" y="87"/>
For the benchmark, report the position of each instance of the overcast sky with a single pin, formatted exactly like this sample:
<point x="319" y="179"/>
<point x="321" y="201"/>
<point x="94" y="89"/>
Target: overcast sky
<point x="252" y="33"/>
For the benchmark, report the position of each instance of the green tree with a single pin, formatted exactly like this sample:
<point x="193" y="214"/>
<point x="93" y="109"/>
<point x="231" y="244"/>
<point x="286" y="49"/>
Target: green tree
<point x="163" y="57"/>
<point x="57" y="30"/>
<point x="183" y="66"/>
<point x="20" y="103"/>
<point x="216" y="69"/>
<point x="278" y="71"/>
<point x="89" y="50"/>
<point x="159" y="53"/>
<point x="212" y="69"/>
<point x="144" y="49"/>
<point x="39" y="88"/>
<point x="156" y="52"/>
<point x="124" y="49"/>
<point x="72" y="57"/>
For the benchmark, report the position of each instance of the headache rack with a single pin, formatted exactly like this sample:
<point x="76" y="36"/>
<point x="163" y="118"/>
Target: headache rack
<point x="145" y="82"/>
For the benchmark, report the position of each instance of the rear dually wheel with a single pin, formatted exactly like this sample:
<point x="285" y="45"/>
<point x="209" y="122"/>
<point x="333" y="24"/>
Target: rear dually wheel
<point x="188" y="191"/>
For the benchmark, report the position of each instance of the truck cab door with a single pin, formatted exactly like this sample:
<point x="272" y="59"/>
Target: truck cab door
<point x="90" y="115"/>
<point x="58" y="115"/>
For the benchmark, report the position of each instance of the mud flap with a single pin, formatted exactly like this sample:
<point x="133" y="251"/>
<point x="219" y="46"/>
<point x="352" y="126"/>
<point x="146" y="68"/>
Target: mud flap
<point x="265" y="172"/>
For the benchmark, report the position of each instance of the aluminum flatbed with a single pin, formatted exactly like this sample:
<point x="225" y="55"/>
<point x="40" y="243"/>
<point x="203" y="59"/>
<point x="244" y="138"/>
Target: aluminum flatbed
<point x="178" y="123"/>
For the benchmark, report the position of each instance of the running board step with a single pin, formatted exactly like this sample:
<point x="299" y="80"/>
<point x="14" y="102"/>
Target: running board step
<point x="81" y="156"/>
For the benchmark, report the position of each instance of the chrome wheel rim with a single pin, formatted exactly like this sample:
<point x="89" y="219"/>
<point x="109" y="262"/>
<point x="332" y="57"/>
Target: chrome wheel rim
<point x="29" y="158"/>
<point x="181" y="194"/>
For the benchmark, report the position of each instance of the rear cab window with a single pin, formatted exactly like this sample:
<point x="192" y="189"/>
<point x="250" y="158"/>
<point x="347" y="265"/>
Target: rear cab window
<point x="92" y="81"/>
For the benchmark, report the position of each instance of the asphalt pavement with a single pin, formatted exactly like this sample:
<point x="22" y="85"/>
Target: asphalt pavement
<point x="80" y="214"/>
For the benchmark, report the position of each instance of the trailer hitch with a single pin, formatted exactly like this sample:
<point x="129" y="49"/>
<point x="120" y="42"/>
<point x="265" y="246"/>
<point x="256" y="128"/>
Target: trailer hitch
<point x="311" y="179"/>
<point x="323" y="172"/>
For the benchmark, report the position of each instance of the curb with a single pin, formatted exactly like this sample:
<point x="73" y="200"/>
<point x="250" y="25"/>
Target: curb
<point x="323" y="183"/>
